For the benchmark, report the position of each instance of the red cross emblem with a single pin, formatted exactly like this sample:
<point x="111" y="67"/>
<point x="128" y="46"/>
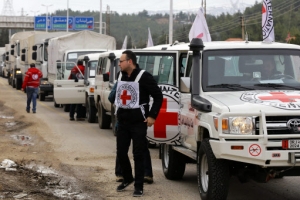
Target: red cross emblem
<point x="125" y="97"/>
<point x="163" y="119"/>
<point x="280" y="96"/>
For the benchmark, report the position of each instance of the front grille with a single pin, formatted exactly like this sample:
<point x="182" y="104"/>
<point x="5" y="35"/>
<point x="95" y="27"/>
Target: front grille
<point x="276" y="125"/>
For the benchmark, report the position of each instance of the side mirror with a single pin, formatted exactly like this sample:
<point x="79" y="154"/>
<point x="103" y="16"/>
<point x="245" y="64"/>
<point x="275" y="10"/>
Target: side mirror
<point x="23" y="58"/>
<point x="34" y="55"/>
<point x="58" y="64"/>
<point x="185" y="83"/>
<point x="23" y="51"/>
<point x="12" y="52"/>
<point x="6" y="58"/>
<point x="34" y="48"/>
<point x="12" y="46"/>
<point x="106" y="77"/>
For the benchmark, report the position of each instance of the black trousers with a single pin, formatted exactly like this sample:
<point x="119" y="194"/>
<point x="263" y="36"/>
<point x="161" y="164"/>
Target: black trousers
<point x="147" y="164"/>
<point x="78" y="109"/>
<point x="137" y="133"/>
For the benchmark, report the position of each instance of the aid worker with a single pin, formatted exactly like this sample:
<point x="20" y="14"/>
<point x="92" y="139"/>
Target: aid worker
<point x="31" y="83"/>
<point x="134" y="88"/>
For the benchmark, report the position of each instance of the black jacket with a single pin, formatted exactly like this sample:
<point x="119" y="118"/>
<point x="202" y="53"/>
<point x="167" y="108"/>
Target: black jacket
<point x="148" y="87"/>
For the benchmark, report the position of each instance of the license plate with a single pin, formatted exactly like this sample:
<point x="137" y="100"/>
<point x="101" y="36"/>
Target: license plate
<point x="294" y="144"/>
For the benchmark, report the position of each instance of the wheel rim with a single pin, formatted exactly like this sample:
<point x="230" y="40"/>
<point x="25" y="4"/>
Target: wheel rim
<point x="204" y="173"/>
<point x="166" y="155"/>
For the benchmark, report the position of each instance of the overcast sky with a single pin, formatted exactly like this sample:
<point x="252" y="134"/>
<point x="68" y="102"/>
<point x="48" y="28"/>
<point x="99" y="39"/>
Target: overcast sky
<point x="31" y="7"/>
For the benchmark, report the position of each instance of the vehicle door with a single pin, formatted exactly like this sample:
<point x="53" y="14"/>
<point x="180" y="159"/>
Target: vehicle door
<point x="68" y="91"/>
<point x="163" y="65"/>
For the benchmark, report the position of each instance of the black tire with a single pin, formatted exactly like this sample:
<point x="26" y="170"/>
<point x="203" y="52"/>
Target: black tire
<point x="173" y="162"/>
<point x="66" y="107"/>
<point x="55" y="104"/>
<point x="113" y="120"/>
<point x="90" y="112"/>
<point x="13" y="83"/>
<point x="8" y="79"/>
<point x="104" y="120"/>
<point x="41" y="97"/>
<point x="213" y="174"/>
<point x="19" y="84"/>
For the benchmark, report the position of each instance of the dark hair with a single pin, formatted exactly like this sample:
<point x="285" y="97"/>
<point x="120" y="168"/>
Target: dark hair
<point x="32" y="65"/>
<point x="130" y="56"/>
<point x="79" y="62"/>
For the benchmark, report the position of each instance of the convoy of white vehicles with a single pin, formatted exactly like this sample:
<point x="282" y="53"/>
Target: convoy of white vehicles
<point x="219" y="110"/>
<point x="65" y="51"/>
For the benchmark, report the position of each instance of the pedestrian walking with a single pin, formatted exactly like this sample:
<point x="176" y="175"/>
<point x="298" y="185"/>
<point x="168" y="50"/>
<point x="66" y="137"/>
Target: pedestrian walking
<point x="31" y="83"/>
<point x="77" y="72"/>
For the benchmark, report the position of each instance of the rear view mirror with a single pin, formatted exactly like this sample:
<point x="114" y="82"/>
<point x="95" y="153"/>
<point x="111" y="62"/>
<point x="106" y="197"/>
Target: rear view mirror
<point x="12" y="52"/>
<point x="23" y="51"/>
<point x="185" y="83"/>
<point x="58" y="64"/>
<point x="106" y="77"/>
<point x="34" y="48"/>
<point x="34" y="55"/>
<point x="23" y="57"/>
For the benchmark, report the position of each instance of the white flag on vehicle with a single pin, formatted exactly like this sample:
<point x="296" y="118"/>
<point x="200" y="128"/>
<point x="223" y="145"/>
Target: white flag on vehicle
<point x="199" y="28"/>
<point x="267" y="22"/>
<point x="150" y="41"/>
<point x="124" y="46"/>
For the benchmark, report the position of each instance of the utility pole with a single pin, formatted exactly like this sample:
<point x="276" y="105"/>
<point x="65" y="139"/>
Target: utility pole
<point x="203" y="4"/>
<point x="100" y="18"/>
<point x="243" y="27"/>
<point x="108" y="20"/>
<point x="171" y="23"/>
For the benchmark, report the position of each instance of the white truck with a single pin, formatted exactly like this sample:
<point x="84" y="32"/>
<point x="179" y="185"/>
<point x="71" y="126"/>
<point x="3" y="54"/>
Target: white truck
<point x="222" y="114"/>
<point x="90" y="61"/>
<point x="2" y="61"/>
<point x="15" y="63"/>
<point x="65" y="51"/>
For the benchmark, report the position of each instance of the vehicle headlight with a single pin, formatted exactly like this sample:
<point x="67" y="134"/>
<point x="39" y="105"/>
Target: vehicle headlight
<point x="18" y="72"/>
<point x="241" y="125"/>
<point x="44" y="82"/>
<point x="236" y="125"/>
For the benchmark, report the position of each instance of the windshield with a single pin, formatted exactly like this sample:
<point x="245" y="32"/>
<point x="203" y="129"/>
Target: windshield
<point x="229" y="70"/>
<point x="72" y="57"/>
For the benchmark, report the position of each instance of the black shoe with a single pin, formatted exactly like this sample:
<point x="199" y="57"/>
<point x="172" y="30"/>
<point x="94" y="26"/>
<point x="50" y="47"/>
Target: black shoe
<point x="72" y="119"/>
<point x="34" y="111"/>
<point x="123" y="185"/>
<point x="28" y="111"/>
<point x="80" y="119"/>
<point x="137" y="193"/>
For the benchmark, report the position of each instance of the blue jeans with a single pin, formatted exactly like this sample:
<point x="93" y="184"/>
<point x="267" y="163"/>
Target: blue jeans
<point x="31" y="96"/>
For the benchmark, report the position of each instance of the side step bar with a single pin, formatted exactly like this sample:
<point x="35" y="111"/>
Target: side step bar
<point x="186" y="152"/>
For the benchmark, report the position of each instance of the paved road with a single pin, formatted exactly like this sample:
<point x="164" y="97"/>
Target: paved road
<point x="84" y="141"/>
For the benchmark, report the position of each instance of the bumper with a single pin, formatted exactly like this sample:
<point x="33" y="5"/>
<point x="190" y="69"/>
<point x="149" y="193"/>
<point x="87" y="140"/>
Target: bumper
<point x="255" y="152"/>
<point x="46" y="88"/>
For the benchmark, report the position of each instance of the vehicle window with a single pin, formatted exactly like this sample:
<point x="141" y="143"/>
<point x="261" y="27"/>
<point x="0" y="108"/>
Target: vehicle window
<point x="249" y="68"/>
<point x="92" y="68"/>
<point x="161" y="66"/>
<point x="99" y="66"/>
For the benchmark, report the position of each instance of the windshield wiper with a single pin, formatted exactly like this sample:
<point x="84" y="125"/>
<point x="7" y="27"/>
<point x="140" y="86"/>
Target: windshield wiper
<point x="275" y="85"/>
<point x="230" y="86"/>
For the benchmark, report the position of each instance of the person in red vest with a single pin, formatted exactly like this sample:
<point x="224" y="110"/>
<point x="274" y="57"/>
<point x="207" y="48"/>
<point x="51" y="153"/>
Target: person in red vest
<point x="32" y="83"/>
<point x="75" y="74"/>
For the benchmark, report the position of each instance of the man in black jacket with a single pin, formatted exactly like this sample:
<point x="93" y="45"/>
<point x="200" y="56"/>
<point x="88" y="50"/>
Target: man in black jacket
<point x="135" y="86"/>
